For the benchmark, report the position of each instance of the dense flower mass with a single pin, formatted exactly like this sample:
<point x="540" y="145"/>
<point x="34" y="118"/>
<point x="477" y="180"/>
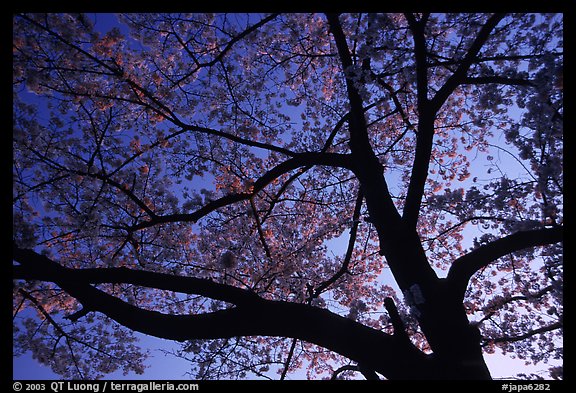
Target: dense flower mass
<point x="375" y="195"/>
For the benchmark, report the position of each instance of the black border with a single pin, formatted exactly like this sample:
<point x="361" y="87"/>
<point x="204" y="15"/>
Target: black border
<point x="556" y="6"/>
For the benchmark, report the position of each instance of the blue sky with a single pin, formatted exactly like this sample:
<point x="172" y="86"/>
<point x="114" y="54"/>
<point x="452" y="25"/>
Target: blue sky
<point x="168" y="367"/>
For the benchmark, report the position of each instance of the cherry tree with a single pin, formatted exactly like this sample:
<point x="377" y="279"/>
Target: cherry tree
<point x="355" y="195"/>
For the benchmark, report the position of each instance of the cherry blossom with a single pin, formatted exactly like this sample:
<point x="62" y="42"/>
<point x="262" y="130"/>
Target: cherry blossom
<point x="258" y="187"/>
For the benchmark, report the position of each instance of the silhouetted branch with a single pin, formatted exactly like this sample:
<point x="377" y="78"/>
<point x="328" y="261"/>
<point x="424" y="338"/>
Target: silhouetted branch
<point x="340" y="370"/>
<point x="368" y="374"/>
<point x="253" y="316"/>
<point x="427" y="108"/>
<point x="528" y="334"/>
<point x="300" y="160"/>
<point x="397" y="323"/>
<point x="466" y="266"/>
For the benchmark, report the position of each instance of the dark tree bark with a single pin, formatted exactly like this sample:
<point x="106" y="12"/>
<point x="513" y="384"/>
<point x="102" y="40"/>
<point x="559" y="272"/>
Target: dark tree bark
<point x="250" y="316"/>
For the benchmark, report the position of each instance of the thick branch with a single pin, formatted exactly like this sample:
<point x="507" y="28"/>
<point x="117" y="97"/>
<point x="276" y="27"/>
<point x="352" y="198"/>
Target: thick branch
<point x="417" y="29"/>
<point x="340" y="370"/>
<point x="234" y="138"/>
<point x="253" y="317"/>
<point x="427" y="109"/>
<point x="410" y="265"/>
<point x="500" y="304"/>
<point x="368" y="374"/>
<point x="529" y="334"/>
<point x="34" y="266"/>
<point x="288" y="359"/>
<point x="467" y="265"/>
<point x="359" y="142"/>
<point x="300" y="160"/>
<point x="397" y="323"/>
<point x="425" y="135"/>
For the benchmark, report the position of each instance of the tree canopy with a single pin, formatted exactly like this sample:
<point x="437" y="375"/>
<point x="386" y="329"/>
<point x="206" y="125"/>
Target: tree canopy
<point x="376" y="195"/>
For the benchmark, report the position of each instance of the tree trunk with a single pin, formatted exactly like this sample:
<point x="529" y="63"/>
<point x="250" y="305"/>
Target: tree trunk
<point x="436" y="304"/>
<point x="454" y="341"/>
